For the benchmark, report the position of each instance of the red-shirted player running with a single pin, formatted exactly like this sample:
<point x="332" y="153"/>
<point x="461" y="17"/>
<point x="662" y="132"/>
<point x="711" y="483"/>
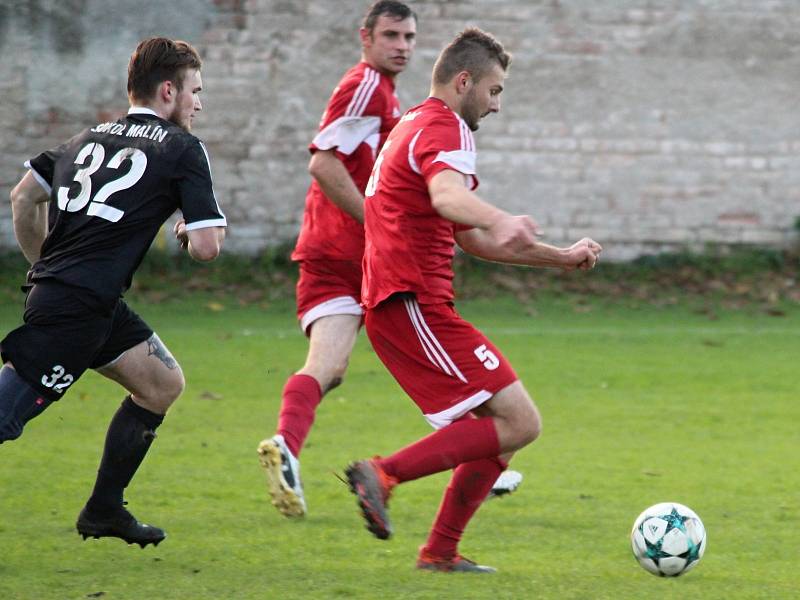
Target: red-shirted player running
<point x="361" y="112"/>
<point x="419" y="203"/>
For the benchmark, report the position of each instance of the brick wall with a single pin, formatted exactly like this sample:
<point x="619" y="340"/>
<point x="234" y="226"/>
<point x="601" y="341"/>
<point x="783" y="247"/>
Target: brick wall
<point x="648" y="124"/>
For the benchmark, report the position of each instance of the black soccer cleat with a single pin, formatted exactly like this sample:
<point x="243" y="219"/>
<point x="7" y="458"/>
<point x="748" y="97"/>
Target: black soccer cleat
<point x="121" y="524"/>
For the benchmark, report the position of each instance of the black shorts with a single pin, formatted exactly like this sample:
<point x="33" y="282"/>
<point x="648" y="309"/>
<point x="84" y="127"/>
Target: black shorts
<point x="66" y="332"/>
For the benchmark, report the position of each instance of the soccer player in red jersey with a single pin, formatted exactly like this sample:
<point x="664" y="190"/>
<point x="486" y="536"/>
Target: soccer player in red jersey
<point x="361" y="112"/>
<point x="419" y="203"/>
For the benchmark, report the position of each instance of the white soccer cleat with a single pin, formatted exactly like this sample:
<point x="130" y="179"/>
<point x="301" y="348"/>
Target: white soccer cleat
<point x="283" y="476"/>
<point x="507" y="483"/>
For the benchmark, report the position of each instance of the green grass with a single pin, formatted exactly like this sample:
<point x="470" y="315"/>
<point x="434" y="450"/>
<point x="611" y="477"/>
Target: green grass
<point x="640" y="405"/>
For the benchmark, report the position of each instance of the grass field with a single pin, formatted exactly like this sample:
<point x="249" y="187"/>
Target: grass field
<point x="639" y="405"/>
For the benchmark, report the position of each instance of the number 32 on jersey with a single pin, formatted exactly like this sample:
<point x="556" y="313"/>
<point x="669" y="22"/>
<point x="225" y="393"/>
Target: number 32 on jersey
<point x="83" y="177"/>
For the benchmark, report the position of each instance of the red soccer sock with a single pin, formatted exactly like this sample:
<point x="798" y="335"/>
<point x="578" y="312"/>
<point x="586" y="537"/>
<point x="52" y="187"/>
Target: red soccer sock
<point x="301" y="396"/>
<point x="469" y="486"/>
<point x="460" y="442"/>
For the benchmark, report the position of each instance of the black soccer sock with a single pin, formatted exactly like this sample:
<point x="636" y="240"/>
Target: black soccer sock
<point x="19" y="403"/>
<point x="129" y="436"/>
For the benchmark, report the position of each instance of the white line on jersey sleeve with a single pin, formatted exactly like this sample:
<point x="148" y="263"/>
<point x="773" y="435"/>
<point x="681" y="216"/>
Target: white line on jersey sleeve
<point x="467" y="139"/>
<point x="367" y="95"/>
<point x="346" y="133"/>
<point x="465" y="159"/>
<point x="363" y="93"/>
<point x="39" y="179"/>
<point x="207" y="223"/>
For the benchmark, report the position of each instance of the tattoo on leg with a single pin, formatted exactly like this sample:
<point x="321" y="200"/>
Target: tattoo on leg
<point x="157" y="349"/>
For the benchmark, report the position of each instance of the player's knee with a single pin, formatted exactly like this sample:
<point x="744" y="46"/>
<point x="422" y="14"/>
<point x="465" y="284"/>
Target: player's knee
<point x="180" y="383"/>
<point x="158" y="395"/>
<point x="529" y="420"/>
<point x="527" y="427"/>
<point x="533" y="428"/>
<point x="175" y="386"/>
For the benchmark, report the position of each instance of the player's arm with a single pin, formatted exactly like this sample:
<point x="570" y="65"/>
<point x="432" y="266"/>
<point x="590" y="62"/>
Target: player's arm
<point x="452" y="199"/>
<point x="581" y="255"/>
<point x="507" y="234"/>
<point x="336" y="183"/>
<point x="202" y="244"/>
<point x="497" y="235"/>
<point x="29" y="202"/>
<point x="201" y="228"/>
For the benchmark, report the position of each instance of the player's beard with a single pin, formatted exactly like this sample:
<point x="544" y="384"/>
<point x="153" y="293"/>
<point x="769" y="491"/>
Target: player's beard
<point x="184" y="121"/>
<point x="471" y="111"/>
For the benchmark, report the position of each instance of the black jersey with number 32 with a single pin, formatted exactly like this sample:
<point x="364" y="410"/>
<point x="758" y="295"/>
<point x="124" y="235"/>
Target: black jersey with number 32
<point x="111" y="188"/>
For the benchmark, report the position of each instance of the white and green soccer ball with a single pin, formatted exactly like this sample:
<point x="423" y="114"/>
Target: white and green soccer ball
<point x="668" y="539"/>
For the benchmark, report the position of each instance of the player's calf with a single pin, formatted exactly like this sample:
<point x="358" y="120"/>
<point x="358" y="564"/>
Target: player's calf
<point x="332" y="383"/>
<point x="19" y="403"/>
<point x="128" y="439"/>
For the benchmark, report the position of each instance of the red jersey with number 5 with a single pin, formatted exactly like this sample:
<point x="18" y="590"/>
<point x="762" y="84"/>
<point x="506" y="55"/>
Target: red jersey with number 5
<point x="361" y="112"/>
<point x="409" y="246"/>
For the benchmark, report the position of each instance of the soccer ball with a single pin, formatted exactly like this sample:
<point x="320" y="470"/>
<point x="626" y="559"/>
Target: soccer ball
<point x="668" y="539"/>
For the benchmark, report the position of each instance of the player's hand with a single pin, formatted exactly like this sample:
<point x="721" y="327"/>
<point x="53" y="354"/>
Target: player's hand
<point x="583" y="255"/>
<point x="514" y="232"/>
<point x="180" y="233"/>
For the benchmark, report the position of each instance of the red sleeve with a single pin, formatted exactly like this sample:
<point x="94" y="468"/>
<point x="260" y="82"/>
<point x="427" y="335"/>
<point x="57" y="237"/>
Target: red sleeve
<point x="353" y="114"/>
<point x="444" y="146"/>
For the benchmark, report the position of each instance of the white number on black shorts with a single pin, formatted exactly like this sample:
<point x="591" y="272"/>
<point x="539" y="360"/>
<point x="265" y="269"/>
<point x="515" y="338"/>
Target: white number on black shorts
<point x="53" y="380"/>
<point x="487" y="357"/>
<point x="83" y="177"/>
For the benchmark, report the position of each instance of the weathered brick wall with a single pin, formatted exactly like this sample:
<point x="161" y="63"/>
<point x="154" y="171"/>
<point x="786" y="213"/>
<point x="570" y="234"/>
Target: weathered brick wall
<point x="648" y="124"/>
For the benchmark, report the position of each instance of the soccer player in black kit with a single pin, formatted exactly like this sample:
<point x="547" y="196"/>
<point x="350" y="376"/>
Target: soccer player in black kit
<point x="84" y="215"/>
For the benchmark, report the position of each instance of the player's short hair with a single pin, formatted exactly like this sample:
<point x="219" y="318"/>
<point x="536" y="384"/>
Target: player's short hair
<point x="399" y="10"/>
<point x="159" y="59"/>
<point x="474" y="51"/>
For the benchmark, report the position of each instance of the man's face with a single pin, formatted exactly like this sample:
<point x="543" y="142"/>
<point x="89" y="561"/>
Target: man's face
<point x="187" y="101"/>
<point x="483" y="97"/>
<point x="390" y="44"/>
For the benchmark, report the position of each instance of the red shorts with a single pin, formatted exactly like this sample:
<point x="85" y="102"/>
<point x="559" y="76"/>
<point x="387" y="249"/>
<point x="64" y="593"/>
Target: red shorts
<point x="328" y="287"/>
<point x="446" y="365"/>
